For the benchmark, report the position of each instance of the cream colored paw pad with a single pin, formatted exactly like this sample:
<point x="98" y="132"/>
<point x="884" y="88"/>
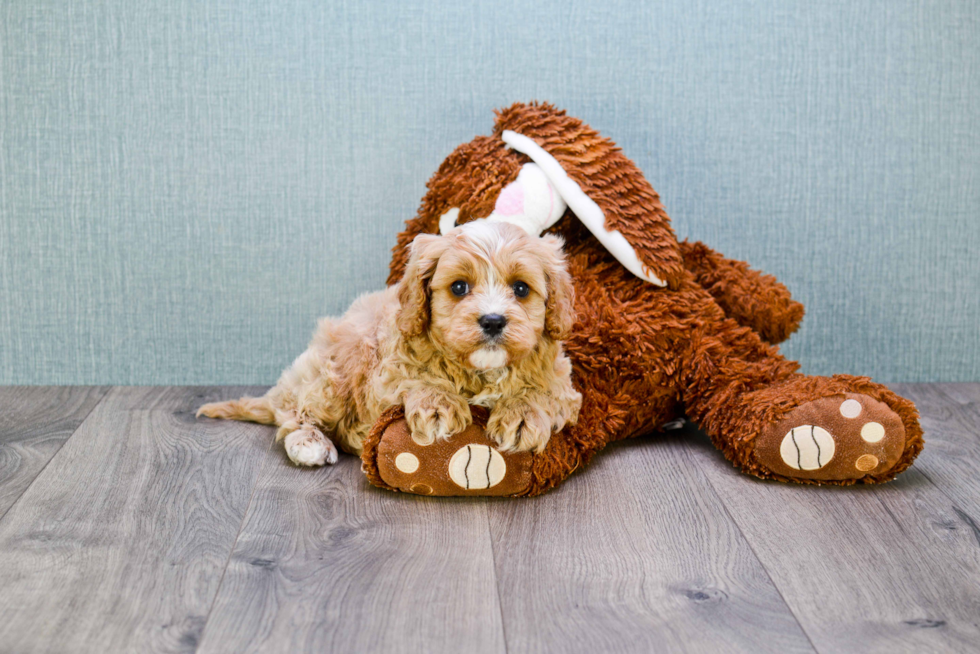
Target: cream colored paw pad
<point x="477" y="466"/>
<point x="850" y="408"/>
<point x="807" y="447"/>
<point x="407" y="462"/>
<point x="872" y="433"/>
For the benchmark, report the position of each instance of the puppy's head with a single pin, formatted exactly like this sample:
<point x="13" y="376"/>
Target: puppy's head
<point x="486" y="293"/>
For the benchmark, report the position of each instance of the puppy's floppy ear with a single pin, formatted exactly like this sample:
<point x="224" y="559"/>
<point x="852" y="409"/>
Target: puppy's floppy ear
<point x="413" y="291"/>
<point x="560" y="305"/>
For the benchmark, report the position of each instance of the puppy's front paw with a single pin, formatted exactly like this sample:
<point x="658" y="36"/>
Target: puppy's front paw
<point x="519" y="427"/>
<point x="436" y="415"/>
<point x="307" y="446"/>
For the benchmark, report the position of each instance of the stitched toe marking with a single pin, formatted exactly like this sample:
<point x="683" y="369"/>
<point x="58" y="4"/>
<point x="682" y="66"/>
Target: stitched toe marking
<point x="476" y="467"/>
<point x="807" y="447"/>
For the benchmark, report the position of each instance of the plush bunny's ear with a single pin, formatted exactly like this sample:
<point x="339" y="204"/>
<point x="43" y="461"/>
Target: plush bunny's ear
<point x="530" y="202"/>
<point x="539" y="163"/>
<point x="557" y="180"/>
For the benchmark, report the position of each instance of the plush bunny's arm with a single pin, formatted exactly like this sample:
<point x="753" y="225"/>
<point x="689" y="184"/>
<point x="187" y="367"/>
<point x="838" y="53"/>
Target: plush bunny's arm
<point x="752" y="298"/>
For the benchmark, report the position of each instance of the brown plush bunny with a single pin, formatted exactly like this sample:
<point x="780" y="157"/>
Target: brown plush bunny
<point x="663" y="330"/>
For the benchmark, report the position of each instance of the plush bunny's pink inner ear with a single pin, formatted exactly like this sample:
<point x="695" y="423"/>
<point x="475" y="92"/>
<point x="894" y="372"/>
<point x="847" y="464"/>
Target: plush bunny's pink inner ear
<point x="588" y="212"/>
<point x="511" y="201"/>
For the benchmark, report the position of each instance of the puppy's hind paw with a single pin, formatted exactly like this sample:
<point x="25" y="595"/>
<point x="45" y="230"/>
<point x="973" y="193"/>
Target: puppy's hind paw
<point x="307" y="446"/>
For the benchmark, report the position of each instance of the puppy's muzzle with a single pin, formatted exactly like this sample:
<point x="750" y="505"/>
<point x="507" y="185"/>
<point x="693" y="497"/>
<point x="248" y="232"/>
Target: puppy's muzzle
<point x="492" y="324"/>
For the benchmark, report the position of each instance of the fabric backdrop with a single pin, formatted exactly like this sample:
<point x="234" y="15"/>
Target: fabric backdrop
<point x="186" y="186"/>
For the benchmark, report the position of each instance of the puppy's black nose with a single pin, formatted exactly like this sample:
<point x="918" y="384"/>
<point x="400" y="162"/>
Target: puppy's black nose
<point x="492" y="324"/>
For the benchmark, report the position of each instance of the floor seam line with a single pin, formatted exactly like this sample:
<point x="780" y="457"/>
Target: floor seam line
<point x="754" y="553"/>
<point x="496" y="577"/>
<point x="918" y="469"/>
<point x="60" y="448"/>
<point x="234" y="544"/>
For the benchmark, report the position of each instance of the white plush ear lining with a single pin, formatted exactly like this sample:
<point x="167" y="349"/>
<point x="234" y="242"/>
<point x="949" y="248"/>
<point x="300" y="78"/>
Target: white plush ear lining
<point x="448" y="220"/>
<point x="530" y="202"/>
<point x="582" y="205"/>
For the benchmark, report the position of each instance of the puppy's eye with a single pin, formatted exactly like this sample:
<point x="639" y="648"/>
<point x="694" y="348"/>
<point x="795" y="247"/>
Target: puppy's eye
<point x="521" y="289"/>
<point x="460" y="288"/>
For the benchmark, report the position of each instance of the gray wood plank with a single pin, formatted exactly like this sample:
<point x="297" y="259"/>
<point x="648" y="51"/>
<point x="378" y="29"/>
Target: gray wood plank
<point x="325" y="562"/>
<point x="951" y="457"/>
<point x="961" y="392"/>
<point x="634" y="554"/>
<point x="120" y="542"/>
<point x="864" y="568"/>
<point x="35" y="421"/>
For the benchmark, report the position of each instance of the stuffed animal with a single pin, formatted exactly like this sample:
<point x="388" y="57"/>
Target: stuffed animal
<point x="664" y="330"/>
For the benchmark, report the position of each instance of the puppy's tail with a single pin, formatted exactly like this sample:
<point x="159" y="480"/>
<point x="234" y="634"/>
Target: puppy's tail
<point x="251" y="409"/>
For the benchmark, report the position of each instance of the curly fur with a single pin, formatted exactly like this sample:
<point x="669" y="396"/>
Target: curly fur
<point x="420" y="345"/>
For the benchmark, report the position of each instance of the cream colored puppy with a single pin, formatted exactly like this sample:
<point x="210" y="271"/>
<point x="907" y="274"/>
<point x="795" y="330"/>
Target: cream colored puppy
<point x="477" y="319"/>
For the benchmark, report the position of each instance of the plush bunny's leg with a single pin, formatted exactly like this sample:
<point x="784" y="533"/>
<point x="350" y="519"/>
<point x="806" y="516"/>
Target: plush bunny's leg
<point x="776" y="423"/>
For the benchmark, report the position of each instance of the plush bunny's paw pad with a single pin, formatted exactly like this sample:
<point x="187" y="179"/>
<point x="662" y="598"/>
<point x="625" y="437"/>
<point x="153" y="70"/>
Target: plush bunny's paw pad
<point x="833" y="438"/>
<point x="467" y="463"/>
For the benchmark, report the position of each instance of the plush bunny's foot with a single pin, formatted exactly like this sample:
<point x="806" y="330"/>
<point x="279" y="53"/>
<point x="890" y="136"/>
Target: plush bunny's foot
<point x="467" y="463"/>
<point x="837" y="438"/>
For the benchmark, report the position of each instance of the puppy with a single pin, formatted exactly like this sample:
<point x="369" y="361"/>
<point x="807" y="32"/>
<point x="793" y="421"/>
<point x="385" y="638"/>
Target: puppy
<point x="477" y="319"/>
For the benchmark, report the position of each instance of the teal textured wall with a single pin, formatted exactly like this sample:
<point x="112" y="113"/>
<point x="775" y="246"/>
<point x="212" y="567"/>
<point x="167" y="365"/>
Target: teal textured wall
<point x="186" y="186"/>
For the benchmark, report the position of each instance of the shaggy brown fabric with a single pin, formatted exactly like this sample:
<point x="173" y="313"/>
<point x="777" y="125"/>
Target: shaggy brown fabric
<point x="643" y="355"/>
<point x="754" y="299"/>
<point x="369" y="449"/>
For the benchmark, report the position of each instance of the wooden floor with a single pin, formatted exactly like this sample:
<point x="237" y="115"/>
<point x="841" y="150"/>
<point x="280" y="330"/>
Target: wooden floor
<point x="126" y="525"/>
